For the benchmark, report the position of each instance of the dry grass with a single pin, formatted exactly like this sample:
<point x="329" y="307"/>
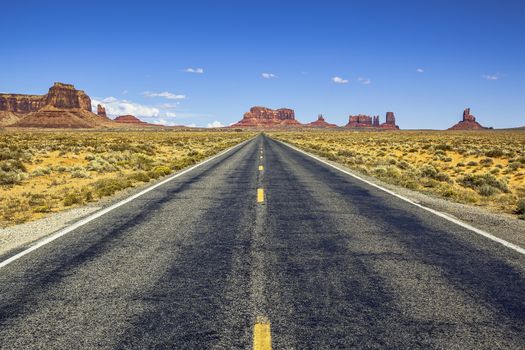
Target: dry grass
<point x="45" y="172"/>
<point x="483" y="168"/>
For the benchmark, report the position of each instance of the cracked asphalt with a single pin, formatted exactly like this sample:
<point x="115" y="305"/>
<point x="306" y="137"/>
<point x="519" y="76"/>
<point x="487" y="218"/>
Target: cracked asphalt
<point x="329" y="261"/>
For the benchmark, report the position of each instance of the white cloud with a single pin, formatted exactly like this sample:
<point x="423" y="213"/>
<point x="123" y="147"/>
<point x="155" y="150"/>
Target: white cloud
<point x="215" y="124"/>
<point x="191" y="125"/>
<point x="168" y="105"/>
<point x="420" y="70"/>
<point x="194" y="70"/>
<point x="163" y="121"/>
<point x="339" y="80"/>
<point x="268" y="75"/>
<point x="170" y="114"/>
<point x="124" y="92"/>
<point x="115" y="107"/>
<point x="365" y="81"/>
<point x="491" y="76"/>
<point x="168" y="95"/>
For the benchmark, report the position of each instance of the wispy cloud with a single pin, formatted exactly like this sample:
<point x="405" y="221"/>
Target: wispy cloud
<point x="420" y="70"/>
<point x="268" y="75"/>
<point x="215" y="124"/>
<point x="194" y="70"/>
<point x="168" y="95"/>
<point x="124" y="92"/>
<point x="170" y="114"/>
<point x="365" y="81"/>
<point x="116" y="107"/>
<point x="339" y="80"/>
<point x="496" y="76"/>
<point x="165" y="122"/>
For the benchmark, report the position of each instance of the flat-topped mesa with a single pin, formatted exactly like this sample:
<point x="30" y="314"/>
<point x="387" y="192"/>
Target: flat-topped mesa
<point x="390" y="122"/>
<point x="266" y="117"/>
<point x="321" y="123"/>
<point x="60" y="95"/>
<point x="359" y="121"/>
<point x="62" y="107"/>
<point x="101" y="111"/>
<point x="65" y="96"/>
<point x="468" y="122"/>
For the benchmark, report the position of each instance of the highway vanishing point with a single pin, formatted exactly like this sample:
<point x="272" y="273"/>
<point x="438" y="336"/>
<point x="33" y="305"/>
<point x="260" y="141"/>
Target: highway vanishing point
<point x="264" y="247"/>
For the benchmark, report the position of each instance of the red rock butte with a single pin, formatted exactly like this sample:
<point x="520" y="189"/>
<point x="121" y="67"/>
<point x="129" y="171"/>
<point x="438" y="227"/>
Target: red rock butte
<point x="132" y="120"/>
<point x="468" y="122"/>
<point x="262" y="117"/>
<point x="321" y="123"/>
<point x="366" y="121"/>
<point x="62" y="107"/>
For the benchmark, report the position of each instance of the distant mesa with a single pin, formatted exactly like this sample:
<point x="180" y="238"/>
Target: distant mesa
<point x="132" y="120"/>
<point x="62" y="107"/>
<point x="262" y="117"/>
<point x="366" y="121"/>
<point x="468" y="123"/>
<point x="321" y="123"/>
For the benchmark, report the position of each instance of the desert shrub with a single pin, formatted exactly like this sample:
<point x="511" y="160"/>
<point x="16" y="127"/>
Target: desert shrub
<point x="107" y="187"/>
<point x="431" y="172"/>
<point x="515" y="166"/>
<point x="494" y="153"/>
<point x="520" y="208"/>
<point x="71" y="199"/>
<point x="79" y="174"/>
<point x="10" y="178"/>
<point x="142" y="161"/>
<point x="159" y="171"/>
<point x="481" y="184"/>
<point x="486" y="162"/>
<point x="472" y="163"/>
<point x="141" y="176"/>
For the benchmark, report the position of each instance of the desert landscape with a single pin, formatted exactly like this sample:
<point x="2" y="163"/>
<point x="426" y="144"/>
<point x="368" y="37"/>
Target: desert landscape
<point x="262" y="175"/>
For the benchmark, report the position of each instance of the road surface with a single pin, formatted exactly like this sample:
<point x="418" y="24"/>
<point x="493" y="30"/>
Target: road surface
<point x="265" y="245"/>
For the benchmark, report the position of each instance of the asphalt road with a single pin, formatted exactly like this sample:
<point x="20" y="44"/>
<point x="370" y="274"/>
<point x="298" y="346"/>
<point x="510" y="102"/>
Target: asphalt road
<point x="330" y="262"/>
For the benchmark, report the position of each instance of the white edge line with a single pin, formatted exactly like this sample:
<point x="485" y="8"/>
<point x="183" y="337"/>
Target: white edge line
<point x="433" y="211"/>
<point x="104" y="211"/>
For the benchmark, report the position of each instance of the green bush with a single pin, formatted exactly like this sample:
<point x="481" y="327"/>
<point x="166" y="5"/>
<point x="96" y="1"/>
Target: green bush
<point x="481" y="184"/>
<point x="71" y="199"/>
<point x="494" y="153"/>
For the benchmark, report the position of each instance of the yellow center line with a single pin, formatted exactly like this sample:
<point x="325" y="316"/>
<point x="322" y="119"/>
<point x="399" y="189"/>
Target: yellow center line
<point x="262" y="337"/>
<point x="260" y="195"/>
<point x="261" y="168"/>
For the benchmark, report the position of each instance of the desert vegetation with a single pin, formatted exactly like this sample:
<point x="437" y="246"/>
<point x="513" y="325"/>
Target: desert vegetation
<point x="44" y="172"/>
<point x="484" y="168"/>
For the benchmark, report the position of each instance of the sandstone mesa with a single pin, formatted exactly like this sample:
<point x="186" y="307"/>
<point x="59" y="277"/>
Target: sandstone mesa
<point x="62" y="107"/>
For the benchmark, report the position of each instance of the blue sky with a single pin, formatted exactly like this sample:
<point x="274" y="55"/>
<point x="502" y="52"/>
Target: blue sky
<point x="424" y="60"/>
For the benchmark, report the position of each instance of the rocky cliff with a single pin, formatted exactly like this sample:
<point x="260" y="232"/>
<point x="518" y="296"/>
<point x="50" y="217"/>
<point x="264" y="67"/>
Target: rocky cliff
<point x="321" y="123"/>
<point x="365" y="121"/>
<point x="62" y="107"/>
<point x="266" y="117"/>
<point x="468" y="122"/>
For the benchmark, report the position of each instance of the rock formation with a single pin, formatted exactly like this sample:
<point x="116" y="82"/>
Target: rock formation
<point x="101" y="111"/>
<point x="390" y="122"/>
<point x="266" y="117"/>
<point x="366" y="121"/>
<point x="131" y="120"/>
<point x="359" y="121"/>
<point x="468" y="123"/>
<point x="321" y="123"/>
<point x="62" y="107"/>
